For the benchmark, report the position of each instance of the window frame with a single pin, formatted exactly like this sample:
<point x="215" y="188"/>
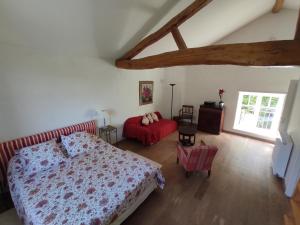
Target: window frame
<point x="275" y="122"/>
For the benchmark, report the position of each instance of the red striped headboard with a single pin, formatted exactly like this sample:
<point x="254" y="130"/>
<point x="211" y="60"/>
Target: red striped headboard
<point x="8" y="149"/>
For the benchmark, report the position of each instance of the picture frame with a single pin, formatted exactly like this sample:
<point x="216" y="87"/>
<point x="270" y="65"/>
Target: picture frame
<point x="146" y="92"/>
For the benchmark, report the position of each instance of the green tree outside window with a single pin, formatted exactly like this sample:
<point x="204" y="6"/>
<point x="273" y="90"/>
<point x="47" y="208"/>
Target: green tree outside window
<point x="265" y="101"/>
<point x="245" y="99"/>
<point x="274" y="102"/>
<point x="253" y="100"/>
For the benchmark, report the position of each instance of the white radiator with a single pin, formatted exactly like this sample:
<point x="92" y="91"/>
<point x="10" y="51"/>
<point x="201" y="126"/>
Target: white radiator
<point x="281" y="154"/>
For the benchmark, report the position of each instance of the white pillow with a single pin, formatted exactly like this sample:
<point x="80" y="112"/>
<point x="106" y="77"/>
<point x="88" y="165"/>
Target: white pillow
<point x="155" y="117"/>
<point x="41" y="156"/>
<point x="145" y="120"/>
<point x="150" y="117"/>
<point x="80" y="142"/>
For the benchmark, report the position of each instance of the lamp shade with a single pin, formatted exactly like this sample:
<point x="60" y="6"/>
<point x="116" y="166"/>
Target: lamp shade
<point x="107" y="113"/>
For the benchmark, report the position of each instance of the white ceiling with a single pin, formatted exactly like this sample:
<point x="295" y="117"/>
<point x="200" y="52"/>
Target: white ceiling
<point x="217" y="20"/>
<point x="102" y="28"/>
<point x="292" y="4"/>
<point x="108" y="29"/>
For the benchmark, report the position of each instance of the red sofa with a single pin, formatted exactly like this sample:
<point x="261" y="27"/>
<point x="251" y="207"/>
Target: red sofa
<point x="151" y="134"/>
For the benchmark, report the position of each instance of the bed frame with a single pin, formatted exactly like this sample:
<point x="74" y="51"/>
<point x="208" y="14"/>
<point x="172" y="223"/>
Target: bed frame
<point x="8" y="149"/>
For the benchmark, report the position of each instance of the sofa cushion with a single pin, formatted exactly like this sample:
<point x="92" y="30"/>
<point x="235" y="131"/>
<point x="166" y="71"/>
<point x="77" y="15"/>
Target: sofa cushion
<point x="149" y="116"/>
<point x="145" y="121"/>
<point x="155" y="117"/>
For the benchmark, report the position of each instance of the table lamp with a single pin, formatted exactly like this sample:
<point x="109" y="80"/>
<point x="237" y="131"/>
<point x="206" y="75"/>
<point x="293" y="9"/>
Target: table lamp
<point x="107" y="112"/>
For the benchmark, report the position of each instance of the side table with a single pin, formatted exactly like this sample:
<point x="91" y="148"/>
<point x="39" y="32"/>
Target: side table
<point x="187" y="135"/>
<point x="107" y="132"/>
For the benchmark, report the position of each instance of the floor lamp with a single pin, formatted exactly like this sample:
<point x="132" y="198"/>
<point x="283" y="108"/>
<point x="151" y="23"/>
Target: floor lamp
<point x="172" y="85"/>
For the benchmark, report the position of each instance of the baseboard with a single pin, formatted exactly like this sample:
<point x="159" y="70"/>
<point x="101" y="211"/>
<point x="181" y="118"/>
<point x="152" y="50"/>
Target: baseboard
<point x="249" y="136"/>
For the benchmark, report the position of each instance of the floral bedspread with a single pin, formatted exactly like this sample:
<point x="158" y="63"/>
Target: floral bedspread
<point x="91" y="188"/>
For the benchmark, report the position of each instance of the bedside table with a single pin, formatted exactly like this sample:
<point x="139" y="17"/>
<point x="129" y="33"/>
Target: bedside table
<point x="107" y="132"/>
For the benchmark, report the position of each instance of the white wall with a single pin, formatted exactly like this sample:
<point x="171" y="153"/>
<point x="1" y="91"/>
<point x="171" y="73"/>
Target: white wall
<point x="203" y="82"/>
<point x="292" y="4"/>
<point x="41" y="92"/>
<point x="174" y="75"/>
<point x="57" y="62"/>
<point x="293" y="170"/>
<point x="294" y="123"/>
<point x="57" y="59"/>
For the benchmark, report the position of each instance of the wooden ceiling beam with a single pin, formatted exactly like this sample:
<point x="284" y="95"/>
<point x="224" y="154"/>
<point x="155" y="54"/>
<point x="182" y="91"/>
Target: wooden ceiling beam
<point x="176" y="21"/>
<point x="178" y="38"/>
<point x="278" y="6"/>
<point x="272" y="53"/>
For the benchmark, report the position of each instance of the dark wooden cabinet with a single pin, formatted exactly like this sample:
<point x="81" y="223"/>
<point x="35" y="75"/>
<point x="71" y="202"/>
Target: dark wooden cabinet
<point x="210" y="119"/>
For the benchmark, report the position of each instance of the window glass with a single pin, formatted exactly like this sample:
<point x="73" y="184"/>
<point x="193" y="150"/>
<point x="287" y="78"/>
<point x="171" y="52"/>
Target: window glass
<point x="259" y="113"/>
<point x="253" y="100"/>
<point x="274" y="102"/>
<point x="265" y="101"/>
<point x="245" y="99"/>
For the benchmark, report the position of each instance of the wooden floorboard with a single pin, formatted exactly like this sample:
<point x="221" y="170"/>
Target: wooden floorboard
<point x="241" y="189"/>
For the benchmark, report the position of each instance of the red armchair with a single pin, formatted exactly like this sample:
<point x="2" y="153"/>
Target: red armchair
<point x="196" y="158"/>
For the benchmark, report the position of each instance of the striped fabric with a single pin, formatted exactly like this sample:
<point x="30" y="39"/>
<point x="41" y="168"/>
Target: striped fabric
<point x="8" y="149"/>
<point x="196" y="158"/>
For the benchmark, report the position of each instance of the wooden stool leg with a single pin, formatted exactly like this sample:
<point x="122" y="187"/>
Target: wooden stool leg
<point x="187" y="174"/>
<point x="208" y="173"/>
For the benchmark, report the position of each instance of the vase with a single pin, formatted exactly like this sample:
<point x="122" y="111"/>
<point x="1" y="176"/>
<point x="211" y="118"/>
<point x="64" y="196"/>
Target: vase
<point x="221" y="104"/>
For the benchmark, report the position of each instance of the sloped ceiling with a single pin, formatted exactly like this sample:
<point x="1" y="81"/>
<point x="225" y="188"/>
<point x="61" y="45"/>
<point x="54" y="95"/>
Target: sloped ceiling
<point x="214" y="22"/>
<point x="292" y="4"/>
<point x="102" y="28"/>
<point x="109" y="28"/>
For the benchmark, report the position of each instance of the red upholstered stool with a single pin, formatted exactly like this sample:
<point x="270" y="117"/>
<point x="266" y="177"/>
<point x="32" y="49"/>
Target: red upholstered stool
<point x="196" y="158"/>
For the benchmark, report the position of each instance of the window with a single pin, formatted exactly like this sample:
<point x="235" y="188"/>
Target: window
<point x="259" y="113"/>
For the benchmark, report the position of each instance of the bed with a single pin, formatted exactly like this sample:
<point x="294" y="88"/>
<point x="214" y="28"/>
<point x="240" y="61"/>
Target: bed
<point x="103" y="185"/>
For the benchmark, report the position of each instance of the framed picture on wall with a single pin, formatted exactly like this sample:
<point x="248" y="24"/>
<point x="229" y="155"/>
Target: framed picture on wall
<point x="146" y="92"/>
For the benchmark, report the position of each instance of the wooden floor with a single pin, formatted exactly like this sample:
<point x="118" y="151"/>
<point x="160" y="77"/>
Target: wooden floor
<point x="240" y="191"/>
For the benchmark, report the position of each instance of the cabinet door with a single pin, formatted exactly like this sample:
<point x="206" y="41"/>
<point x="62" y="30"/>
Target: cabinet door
<point x="202" y="120"/>
<point x="209" y="120"/>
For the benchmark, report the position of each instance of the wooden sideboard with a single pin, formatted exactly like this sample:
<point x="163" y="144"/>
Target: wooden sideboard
<point x="210" y="119"/>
